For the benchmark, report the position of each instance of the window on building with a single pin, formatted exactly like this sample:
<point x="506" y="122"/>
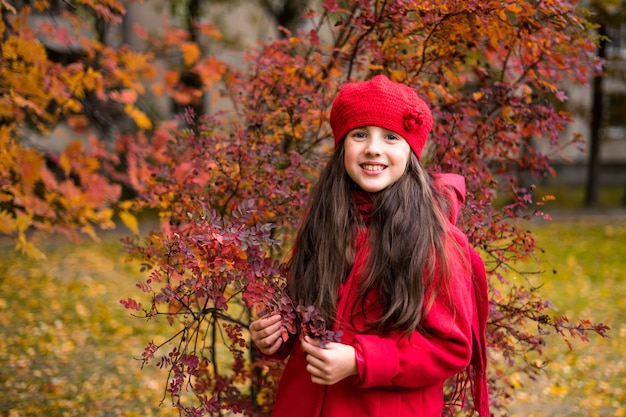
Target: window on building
<point x="615" y="116"/>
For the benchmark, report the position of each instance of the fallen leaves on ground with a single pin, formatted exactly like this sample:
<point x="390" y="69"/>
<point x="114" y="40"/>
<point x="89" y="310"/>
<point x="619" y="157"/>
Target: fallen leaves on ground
<point x="590" y="283"/>
<point x="67" y="346"/>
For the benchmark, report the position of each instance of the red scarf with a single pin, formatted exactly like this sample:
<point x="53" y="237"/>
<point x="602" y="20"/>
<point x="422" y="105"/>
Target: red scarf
<point x="364" y="202"/>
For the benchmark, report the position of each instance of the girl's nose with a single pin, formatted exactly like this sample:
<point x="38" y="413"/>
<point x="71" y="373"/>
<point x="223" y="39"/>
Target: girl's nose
<point x="373" y="146"/>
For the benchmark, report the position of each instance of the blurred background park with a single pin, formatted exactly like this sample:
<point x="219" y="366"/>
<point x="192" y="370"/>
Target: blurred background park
<point x="68" y="347"/>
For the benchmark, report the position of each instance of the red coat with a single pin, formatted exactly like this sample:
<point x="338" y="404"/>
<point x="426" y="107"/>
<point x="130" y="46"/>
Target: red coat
<point x="398" y="376"/>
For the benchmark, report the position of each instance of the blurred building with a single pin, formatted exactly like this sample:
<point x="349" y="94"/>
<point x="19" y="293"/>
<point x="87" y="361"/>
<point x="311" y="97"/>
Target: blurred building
<point x="613" y="131"/>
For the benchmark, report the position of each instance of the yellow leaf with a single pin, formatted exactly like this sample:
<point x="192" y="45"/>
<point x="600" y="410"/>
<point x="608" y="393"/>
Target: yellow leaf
<point x="503" y="16"/>
<point x="507" y="114"/>
<point x="28" y="249"/>
<point x="130" y="221"/>
<point x="126" y="204"/>
<point x="263" y="397"/>
<point x="9" y="49"/>
<point x="89" y="231"/>
<point x="103" y="218"/>
<point x="75" y="83"/>
<point x="515" y="381"/>
<point x="22" y="222"/>
<point x="559" y="390"/>
<point x="7" y="225"/>
<point x="397" y="75"/>
<point x="91" y="79"/>
<point x="72" y="105"/>
<point x="64" y="162"/>
<point x="141" y="120"/>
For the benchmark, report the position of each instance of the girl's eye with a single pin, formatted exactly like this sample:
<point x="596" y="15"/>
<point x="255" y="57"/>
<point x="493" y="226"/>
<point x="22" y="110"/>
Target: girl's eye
<point x="358" y="134"/>
<point x="392" y="137"/>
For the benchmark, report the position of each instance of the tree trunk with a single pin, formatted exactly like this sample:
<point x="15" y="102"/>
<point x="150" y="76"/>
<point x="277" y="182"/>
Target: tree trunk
<point x="592" y="189"/>
<point x="286" y="13"/>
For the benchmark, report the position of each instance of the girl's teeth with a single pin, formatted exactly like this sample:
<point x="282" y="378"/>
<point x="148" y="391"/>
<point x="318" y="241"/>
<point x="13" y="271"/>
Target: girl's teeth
<point x="373" y="167"/>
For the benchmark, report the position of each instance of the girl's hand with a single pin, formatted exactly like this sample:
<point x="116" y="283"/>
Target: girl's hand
<point x="266" y="334"/>
<point x="329" y="365"/>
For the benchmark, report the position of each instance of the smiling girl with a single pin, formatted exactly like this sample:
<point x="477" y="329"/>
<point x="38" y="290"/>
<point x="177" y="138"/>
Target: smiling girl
<point x="379" y="255"/>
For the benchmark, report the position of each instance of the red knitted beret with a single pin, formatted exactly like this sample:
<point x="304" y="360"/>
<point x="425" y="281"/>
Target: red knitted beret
<point x="383" y="103"/>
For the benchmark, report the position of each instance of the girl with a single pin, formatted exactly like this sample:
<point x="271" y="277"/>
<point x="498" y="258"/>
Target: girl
<point x="380" y="258"/>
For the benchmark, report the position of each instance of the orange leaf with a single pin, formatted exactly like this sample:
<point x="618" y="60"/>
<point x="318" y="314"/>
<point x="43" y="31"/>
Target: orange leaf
<point x="210" y="30"/>
<point x="171" y="78"/>
<point x="124" y="96"/>
<point x="78" y="123"/>
<point x="140" y="31"/>
<point x="191" y="52"/>
<point x="30" y="165"/>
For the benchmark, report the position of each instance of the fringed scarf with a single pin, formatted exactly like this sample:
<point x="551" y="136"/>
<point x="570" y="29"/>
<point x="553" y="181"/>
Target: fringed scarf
<point x="475" y="375"/>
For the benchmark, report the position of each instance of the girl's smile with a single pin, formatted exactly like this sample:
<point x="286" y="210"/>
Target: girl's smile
<point x="375" y="157"/>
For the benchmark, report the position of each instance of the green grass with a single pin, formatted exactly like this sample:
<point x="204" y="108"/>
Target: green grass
<point x="569" y="198"/>
<point x="67" y="346"/>
<point x="589" y="283"/>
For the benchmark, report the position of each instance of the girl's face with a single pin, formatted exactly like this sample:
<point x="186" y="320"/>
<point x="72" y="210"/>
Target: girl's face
<point x="375" y="157"/>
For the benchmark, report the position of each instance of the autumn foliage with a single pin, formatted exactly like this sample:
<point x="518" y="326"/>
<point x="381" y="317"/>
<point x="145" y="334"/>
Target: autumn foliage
<point x="229" y="188"/>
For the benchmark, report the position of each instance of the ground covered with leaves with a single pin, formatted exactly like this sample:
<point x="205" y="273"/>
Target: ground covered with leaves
<point x="585" y="278"/>
<point x="67" y="346"/>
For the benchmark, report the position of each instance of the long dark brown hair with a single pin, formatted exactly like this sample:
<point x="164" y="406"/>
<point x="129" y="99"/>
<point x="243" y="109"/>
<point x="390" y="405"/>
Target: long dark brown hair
<point x="408" y="260"/>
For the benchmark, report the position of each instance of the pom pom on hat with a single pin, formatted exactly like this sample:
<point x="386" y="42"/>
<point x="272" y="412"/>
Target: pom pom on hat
<point x="383" y="103"/>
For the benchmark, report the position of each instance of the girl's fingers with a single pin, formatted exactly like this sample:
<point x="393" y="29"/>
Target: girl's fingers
<point x="264" y="322"/>
<point x="311" y="347"/>
<point x="314" y="372"/>
<point x="264" y="327"/>
<point x="312" y="341"/>
<point x="272" y="328"/>
<point x="331" y="364"/>
<point x="319" y="370"/>
<point x="266" y="333"/>
<point x="272" y="337"/>
<point x="315" y="355"/>
<point x="270" y="344"/>
<point x="274" y="348"/>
